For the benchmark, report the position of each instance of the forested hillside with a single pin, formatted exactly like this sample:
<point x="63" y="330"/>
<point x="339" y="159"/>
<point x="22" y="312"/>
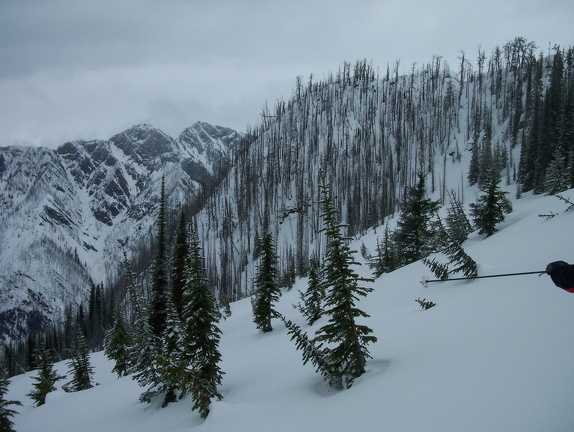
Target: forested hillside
<point x="370" y="130"/>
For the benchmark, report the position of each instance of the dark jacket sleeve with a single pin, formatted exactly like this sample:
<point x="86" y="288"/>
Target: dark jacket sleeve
<point x="562" y="274"/>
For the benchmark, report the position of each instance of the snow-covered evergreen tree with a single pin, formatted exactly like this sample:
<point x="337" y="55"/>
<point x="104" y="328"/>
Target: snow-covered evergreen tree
<point x="158" y="307"/>
<point x="414" y="233"/>
<point x="45" y="380"/>
<point x="267" y="289"/>
<point x="80" y="368"/>
<point x="557" y="176"/>
<point x="386" y="260"/>
<point x="118" y="343"/>
<point x="201" y="373"/>
<point x="170" y="360"/>
<point x="342" y="342"/>
<point x="143" y="351"/>
<point x="6" y="413"/>
<point x="180" y="254"/>
<point x="458" y="226"/>
<point x="312" y="298"/>
<point x="491" y="207"/>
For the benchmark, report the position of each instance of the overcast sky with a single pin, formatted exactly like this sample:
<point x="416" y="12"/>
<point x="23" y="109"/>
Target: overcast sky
<point x="75" y="69"/>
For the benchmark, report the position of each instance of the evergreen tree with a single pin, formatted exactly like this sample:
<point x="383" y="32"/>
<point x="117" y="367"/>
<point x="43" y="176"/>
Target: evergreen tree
<point x="80" y="368"/>
<point x="386" y="259"/>
<point x="170" y="360"/>
<point x="118" y="345"/>
<point x="143" y="351"/>
<point x="158" y="311"/>
<point x="491" y="207"/>
<point x="200" y="344"/>
<point x="6" y="413"/>
<point x="486" y="161"/>
<point x="180" y="254"/>
<point x="45" y="380"/>
<point x="312" y="298"/>
<point x="342" y="342"/>
<point x="449" y="242"/>
<point x="474" y="167"/>
<point x="458" y="226"/>
<point x="557" y="176"/>
<point x="414" y="233"/>
<point x="267" y="289"/>
<point x="529" y="169"/>
<point x="552" y="122"/>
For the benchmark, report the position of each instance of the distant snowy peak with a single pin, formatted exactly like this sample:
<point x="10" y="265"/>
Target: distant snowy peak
<point x="68" y="214"/>
<point x="205" y="137"/>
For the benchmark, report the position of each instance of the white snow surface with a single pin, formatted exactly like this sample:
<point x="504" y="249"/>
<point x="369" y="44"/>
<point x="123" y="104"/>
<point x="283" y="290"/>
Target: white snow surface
<point x="492" y="355"/>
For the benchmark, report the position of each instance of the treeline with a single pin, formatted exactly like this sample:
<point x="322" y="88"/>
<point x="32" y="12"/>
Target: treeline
<point x="88" y="320"/>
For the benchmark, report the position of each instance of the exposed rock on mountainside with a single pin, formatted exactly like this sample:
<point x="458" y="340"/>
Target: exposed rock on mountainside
<point x="66" y="215"/>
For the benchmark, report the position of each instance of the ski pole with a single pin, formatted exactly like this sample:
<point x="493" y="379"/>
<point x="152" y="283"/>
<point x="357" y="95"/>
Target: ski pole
<point x="425" y="281"/>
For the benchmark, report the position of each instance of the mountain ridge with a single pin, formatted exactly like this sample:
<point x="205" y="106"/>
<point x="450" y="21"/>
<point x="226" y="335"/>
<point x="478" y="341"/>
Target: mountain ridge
<point x="69" y="213"/>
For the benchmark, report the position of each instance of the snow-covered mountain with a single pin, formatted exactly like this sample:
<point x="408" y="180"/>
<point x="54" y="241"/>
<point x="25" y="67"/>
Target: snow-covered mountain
<point x="67" y="215"/>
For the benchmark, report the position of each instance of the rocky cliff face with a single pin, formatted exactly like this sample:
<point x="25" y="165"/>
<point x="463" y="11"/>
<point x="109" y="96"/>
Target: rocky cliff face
<point x="67" y="215"/>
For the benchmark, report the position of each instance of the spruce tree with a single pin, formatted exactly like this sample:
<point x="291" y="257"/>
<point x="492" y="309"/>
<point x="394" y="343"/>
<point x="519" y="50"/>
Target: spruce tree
<point x="170" y="361"/>
<point x="118" y="345"/>
<point x="491" y="207"/>
<point x="557" y="176"/>
<point x="386" y="259"/>
<point x="143" y="351"/>
<point x="6" y="413"/>
<point x="342" y="342"/>
<point x="530" y="171"/>
<point x="267" y="289"/>
<point x="158" y="310"/>
<point x="80" y="368"/>
<point x="201" y="374"/>
<point x="474" y="167"/>
<point x="457" y="224"/>
<point x="312" y="298"/>
<point x="449" y="242"/>
<point x="180" y="254"/>
<point x="414" y="233"/>
<point x="45" y="380"/>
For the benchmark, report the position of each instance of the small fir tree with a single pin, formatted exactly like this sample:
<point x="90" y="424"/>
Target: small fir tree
<point x="386" y="259"/>
<point x="557" y="177"/>
<point x="45" y="380"/>
<point x="80" y="368"/>
<point x="200" y="343"/>
<point x="144" y="354"/>
<point x="6" y="413"/>
<point x="458" y="226"/>
<point x="143" y="349"/>
<point x="449" y="241"/>
<point x="313" y="297"/>
<point x="170" y="360"/>
<point x="118" y="343"/>
<point x="342" y="342"/>
<point x="491" y="207"/>
<point x="414" y="233"/>
<point x="267" y="289"/>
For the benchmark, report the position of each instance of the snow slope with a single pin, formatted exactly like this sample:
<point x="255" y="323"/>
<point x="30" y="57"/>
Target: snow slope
<point x="493" y="355"/>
